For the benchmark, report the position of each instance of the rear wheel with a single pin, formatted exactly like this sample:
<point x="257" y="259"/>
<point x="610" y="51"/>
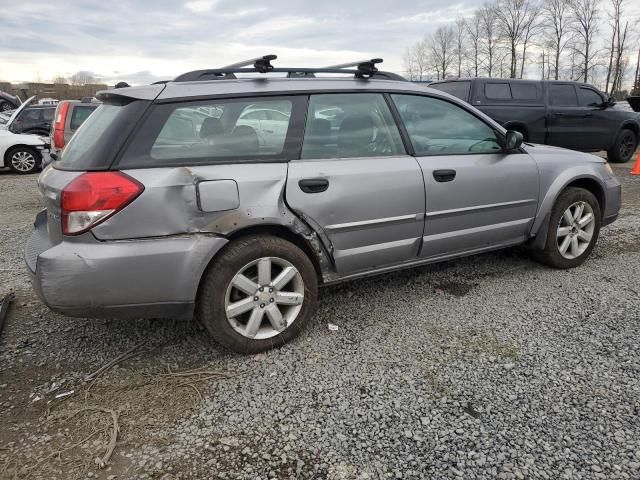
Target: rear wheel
<point x="259" y="294"/>
<point x="624" y="148"/>
<point x="23" y="160"/>
<point x="6" y="106"/>
<point x="574" y="227"/>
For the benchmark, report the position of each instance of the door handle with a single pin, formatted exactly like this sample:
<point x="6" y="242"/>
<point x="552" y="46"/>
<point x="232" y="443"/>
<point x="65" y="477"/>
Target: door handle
<point x="444" y="175"/>
<point x="313" y="185"/>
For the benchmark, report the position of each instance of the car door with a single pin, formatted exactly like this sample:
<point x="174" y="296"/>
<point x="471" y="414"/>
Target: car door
<point x="571" y="124"/>
<point x="355" y="183"/>
<point x="478" y="197"/>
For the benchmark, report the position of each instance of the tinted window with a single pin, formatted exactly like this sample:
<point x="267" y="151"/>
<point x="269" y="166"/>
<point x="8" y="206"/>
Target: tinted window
<point x="48" y="113"/>
<point x="350" y="125"/>
<point x="79" y="114"/>
<point x="589" y="98"/>
<point x="218" y="130"/>
<point x="457" y="89"/>
<point x="524" y="91"/>
<point x="562" y="95"/>
<point x="30" y="115"/>
<point x="438" y="127"/>
<point x="497" y="91"/>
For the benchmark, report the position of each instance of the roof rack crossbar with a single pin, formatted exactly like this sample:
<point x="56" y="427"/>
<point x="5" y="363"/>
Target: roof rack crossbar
<point x="259" y="63"/>
<point x="363" y="69"/>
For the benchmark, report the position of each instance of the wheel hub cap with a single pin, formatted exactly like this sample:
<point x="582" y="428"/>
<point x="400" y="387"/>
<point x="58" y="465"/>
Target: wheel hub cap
<point x="264" y="298"/>
<point x="575" y="230"/>
<point x="23" y="161"/>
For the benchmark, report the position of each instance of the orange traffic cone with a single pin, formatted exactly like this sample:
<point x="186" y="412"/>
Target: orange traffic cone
<point x="635" y="170"/>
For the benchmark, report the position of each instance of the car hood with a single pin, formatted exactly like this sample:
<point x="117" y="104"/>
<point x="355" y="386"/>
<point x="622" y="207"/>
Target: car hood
<point x="26" y="138"/>
<point x="539" y="151"/>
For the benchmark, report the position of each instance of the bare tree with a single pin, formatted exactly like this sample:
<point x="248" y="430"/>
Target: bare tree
<point x="586" y="15"/>
<point x="557" y="18"/>
<point x="474" y="32"/>
<point x="82" y="78"/>
<point x="635" y="89"/>
<point x="441" y="47"/>
<point x="618" y="46"/>
<point x="489" y="36"/>
<point x="59" y="79"/>
<point x="512" y="17"/>
<point x="531" y="28"/>
<point x="416" y="61"/>
<point x="460" y="31"/>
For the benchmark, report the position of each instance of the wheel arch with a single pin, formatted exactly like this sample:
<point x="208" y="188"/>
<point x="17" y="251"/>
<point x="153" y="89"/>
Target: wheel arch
<point x="541" y="225"/>
<point x="23" y="145"/>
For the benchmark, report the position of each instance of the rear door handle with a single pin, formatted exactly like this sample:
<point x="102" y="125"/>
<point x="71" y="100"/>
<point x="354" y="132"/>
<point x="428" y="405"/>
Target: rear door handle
<point x="313" y="185"/>
<point x="444" y="175"/>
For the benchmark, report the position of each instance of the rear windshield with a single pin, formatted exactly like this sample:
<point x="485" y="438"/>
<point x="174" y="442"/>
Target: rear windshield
<point x="97" y="141"/>
<point x="457" y="89"/>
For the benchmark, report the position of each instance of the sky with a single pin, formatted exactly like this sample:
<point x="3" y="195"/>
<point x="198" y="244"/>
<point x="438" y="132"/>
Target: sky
<point x="147" y="40"/>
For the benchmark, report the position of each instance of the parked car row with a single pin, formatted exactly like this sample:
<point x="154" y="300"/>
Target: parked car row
<point x="29" y="136"/>
<point x="564" y="114"/>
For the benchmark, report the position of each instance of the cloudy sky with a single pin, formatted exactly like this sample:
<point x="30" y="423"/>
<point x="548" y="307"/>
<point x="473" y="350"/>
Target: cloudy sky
<point x="146" y="40"/>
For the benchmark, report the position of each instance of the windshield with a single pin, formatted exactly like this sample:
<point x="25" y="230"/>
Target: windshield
<point x="100" y="136"/>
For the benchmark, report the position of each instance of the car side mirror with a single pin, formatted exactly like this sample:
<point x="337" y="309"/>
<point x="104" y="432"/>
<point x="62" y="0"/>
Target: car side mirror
<point x="513" y="140"/>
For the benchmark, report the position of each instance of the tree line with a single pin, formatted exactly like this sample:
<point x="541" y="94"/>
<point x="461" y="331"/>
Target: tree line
<point x="593" y="41"/>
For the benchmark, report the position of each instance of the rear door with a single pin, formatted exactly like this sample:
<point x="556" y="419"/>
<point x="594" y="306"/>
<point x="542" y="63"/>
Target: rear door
<point x="355" y="182"/>
<point x="478" y="197"/>
<point x="571" y="121"/>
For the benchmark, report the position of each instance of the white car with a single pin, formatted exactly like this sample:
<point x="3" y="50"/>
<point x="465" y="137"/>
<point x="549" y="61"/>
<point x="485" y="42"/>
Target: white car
<point x="22" y="153"/>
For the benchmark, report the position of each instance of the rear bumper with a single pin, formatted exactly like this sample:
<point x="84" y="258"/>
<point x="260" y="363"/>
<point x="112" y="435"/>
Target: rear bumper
<point x="152" y="278"/>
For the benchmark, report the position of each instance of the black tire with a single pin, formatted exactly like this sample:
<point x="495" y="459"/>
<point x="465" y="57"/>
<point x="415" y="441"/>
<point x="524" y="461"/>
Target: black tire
<point x="624" y="147"/>
<point x="12" y="162"/>
<point x="551" y="255"/>
<point x="6" y="106"/>
<point x="213" y="291"/>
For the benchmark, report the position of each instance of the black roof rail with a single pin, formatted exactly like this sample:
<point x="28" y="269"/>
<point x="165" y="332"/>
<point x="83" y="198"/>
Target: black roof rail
<point x="363" y="69"/>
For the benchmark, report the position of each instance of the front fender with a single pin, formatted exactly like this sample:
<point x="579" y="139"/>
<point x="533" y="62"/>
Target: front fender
<point x="562" y="181"/>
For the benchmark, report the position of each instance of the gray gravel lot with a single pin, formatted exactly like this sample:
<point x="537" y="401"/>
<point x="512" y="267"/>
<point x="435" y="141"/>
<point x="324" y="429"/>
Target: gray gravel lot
<point x="485" y="367"/>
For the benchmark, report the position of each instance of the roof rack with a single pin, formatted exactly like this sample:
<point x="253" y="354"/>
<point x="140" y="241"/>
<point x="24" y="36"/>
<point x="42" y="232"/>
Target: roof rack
<point x="363" y="69"/>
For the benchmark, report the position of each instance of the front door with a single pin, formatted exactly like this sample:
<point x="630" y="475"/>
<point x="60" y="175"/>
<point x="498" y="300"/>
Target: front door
<point x="575" y="119"/>
<point x="355" y="182"/>
<point x="478" y="197"/>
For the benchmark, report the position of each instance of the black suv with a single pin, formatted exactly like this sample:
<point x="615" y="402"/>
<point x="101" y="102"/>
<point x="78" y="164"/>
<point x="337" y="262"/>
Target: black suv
<point x="565" y="114"/>
<point x="35" y="119"/>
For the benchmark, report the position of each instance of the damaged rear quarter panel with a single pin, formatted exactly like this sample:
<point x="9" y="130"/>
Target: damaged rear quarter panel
<point x="169" y="205"/>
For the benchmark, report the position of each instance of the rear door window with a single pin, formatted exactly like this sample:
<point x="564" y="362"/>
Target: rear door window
<point x="562" y="95"/>
<point x="47" y="114"/>
<point x="216" y="131"/>
<point x="79" y="114"/>
<point x="350" y="125"/>
<point x="497" y="91"/>
<point x="457" y="89"/>
<point x="524" y="91"/>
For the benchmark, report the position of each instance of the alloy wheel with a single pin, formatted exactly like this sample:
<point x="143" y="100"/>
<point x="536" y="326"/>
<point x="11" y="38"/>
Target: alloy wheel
<point x="23" y="161"/>
<point x="627" y="146"/>
<point x="264" y="298"/>
<point x="575" y="230"/>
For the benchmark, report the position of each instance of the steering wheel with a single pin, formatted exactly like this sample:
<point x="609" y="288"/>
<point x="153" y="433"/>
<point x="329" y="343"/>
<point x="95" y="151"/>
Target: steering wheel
<point x="488" y="139"/>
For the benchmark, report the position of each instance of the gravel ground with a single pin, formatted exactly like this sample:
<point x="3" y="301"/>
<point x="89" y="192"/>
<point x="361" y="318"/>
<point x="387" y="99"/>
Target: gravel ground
<point x="485" y="367"/>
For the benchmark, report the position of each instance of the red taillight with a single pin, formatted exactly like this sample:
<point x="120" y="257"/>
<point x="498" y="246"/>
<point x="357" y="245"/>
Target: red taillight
<point x="58" y="126"/>
<point x="93" y="197"/>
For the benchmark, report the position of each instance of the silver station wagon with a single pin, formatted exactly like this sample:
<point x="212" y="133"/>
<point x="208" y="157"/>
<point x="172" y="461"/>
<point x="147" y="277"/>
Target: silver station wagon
<point x="232" y="194"/>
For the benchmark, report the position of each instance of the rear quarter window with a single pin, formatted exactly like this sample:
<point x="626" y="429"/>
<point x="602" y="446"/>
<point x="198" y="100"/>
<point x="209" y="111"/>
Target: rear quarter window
<point x="223" y="130"/>
<point x="457" y="89"/>
<point x="497" y="91"/>
<point x="79" y="114"/>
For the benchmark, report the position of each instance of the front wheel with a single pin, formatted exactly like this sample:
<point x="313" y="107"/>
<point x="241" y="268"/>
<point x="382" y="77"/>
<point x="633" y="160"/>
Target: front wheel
<point x="624" y="148"/>
<point x="258" y="294"/>
<point x="574" y="227"/>
<point x="23" y="160"/>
